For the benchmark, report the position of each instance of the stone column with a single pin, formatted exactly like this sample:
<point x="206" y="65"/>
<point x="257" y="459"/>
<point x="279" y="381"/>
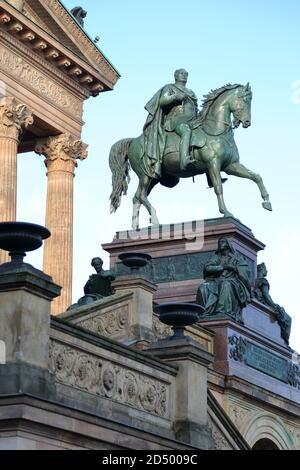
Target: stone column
<point x="61" y="154"/>
<point x="14" y="117"/>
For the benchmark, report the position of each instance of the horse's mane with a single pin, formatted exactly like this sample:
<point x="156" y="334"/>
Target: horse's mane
<point x="209" y="99"/>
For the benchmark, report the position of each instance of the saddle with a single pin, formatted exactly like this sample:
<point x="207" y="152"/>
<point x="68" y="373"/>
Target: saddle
<point x="198" y="140"/>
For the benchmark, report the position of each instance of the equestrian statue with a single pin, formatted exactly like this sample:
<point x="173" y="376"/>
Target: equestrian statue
<point x="179" y="141"/>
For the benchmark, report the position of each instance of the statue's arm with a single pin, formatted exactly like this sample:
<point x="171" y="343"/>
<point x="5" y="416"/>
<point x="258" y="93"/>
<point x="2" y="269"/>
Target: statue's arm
<point x="266" y="296"/>
<point x="212" y="269"/>
<point x="86" y="288"/>
<point x="169" y="97"/>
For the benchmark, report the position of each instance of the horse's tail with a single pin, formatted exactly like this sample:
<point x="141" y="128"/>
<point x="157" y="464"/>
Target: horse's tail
<point x="120" y="167"/>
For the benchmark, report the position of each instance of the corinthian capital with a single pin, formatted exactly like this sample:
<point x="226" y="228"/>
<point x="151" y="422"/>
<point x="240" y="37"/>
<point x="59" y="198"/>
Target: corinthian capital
<point x="62" y="152"/>
<point x="14" y="117"/>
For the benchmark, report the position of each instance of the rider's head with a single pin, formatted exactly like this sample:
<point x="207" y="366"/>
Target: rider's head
<point x="181" y="75"/>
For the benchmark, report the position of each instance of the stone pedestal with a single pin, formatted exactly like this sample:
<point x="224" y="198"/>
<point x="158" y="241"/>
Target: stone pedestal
<point x="61" y="154"/>
<point x="191" y="418"/>
<point x="14" y="117"/>
<point x="180" y="251"/>
<point x="141" y="312"/>
<point x="254" y="352"/>
<point x="25" y="297"/>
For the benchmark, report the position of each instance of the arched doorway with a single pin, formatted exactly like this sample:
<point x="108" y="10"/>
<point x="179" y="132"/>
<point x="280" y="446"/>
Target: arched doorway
<point x="265" y="444"/>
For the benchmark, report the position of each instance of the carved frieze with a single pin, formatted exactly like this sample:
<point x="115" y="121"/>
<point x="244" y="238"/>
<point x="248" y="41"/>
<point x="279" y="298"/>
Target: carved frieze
<point x="109" y="324"/>
<point x="14" y="117"/>
<point x="178" y="267"/>
<point x="101" y="377"/>
<point x="40" y="83"/>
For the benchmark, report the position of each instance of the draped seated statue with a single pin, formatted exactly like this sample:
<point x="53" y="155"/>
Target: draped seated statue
<point x="261" y="292"/>
<point x="98" y="286"/>
<point x="227" y="287"/>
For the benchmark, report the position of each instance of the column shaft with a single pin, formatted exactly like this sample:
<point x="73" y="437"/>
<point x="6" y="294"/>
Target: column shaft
<point x="14" y="117"/>
<point x="58" y="251"/>
<point x="8" y="184"/>
<point x="62" y="153"/>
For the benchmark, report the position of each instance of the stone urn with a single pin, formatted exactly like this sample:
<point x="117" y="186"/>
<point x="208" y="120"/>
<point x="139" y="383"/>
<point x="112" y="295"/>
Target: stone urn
<point x="179" y="315"/>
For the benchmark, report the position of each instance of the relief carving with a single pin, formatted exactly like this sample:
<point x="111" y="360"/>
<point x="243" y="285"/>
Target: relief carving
<point x="18" y="68"/>
<point x="238" y="415"/>
<point x="101" y="377"/>
<point x="109" y="324"/>
<point x="220" y="441"/>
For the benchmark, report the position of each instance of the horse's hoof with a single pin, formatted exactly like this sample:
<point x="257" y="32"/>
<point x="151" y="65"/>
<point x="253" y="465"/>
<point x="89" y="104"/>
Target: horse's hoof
<point x="154" y="222"/>
<point x="267" y="205"/>
<point x="228" y="214"/>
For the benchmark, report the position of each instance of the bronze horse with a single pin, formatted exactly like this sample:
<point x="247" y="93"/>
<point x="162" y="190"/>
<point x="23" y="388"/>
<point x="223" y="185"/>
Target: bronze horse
<point x="213" y="150"/>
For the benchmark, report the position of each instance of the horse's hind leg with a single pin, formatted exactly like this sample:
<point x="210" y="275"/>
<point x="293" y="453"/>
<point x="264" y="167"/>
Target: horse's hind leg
<point x="237" y="169"/>
<point x="136" y="210"/>
<point x="146" y="182"/>
<point x="140" y="198"/>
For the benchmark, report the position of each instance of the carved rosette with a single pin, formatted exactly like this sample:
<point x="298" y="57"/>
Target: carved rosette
<point x="101" y="377"/>
<point x="62" y="152"/>
<point x="238" y="350"/>
<point x="14" y="118"/>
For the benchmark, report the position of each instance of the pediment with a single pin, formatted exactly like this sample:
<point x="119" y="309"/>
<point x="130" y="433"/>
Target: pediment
<point x="60" y="30"/>
<point x="37" y="11"/>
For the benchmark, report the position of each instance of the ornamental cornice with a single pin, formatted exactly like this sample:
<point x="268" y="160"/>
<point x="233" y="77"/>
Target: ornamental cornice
<point x="43" y="65"/>
<point x="91" y="50"/>
<point x="34" y="79"/>
<point x="26" y="31"/>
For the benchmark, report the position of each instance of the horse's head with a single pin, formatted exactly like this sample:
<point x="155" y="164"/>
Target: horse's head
<point x="240" y="105"/>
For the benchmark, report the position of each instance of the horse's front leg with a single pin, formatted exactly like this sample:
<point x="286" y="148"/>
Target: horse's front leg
<point x="237" y="169"/>
<point x="215" y="176"/>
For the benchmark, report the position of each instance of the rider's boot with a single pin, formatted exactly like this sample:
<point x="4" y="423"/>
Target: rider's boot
<point x="184" y="149"/>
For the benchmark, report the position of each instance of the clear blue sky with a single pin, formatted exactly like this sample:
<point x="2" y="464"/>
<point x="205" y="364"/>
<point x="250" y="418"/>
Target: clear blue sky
<point x="217" y="42"/>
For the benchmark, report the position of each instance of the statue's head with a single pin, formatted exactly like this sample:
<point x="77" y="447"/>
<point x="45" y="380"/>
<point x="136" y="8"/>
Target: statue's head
<point x="223" y="244"/>
<point x="262" y="270"/>
<point x="79" y="13"/>
<point x="181" y="75"/>
<point x="97" y="263"/>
